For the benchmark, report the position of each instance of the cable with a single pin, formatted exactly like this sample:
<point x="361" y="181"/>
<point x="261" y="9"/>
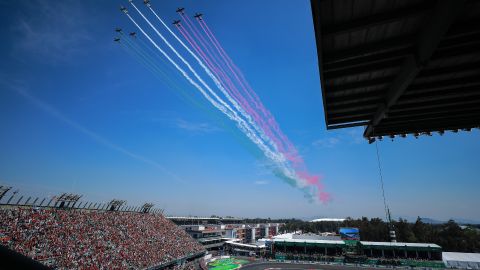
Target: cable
<point x="381" y="182"/>
<point x="387" y="210"/>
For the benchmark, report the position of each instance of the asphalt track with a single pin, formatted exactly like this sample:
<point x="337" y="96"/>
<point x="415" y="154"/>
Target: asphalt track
<point x="292" y="266"/>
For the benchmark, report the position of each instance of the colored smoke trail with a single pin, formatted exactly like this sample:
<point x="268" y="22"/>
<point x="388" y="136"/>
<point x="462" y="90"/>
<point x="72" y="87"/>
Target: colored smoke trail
<point x="219" y="86"/>
<point x="240" y="122"/>
<point x="229" y="87"/>
<point x="190" y="41"/>
<point x="242" y="104"/>
<point x="283" y="143"/>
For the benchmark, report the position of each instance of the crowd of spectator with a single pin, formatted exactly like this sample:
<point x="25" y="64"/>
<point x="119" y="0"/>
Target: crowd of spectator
<point x="85" y="239"/>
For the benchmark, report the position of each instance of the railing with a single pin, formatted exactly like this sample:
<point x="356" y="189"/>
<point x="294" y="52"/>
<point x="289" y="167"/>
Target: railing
<point x="52" y="204"/>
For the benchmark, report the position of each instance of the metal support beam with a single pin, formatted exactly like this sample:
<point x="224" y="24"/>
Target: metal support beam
<point x="367" y="60"/>
<point x="368" y="49"/>
<point x="437" y="24"/>
<point x="367" y="68"/>
<point x="315" y="6"/>
<point x="382" y="18"/>
<point x="356" y="124"/>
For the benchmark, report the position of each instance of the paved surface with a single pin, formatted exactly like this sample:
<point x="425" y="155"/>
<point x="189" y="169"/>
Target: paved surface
<point x="291" y="266"/>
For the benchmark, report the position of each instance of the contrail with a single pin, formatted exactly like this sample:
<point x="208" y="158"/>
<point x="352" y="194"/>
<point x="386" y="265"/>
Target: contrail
<point x="240" y="122"/>
<point x="285" y="146"/>
<point x="209" y="73"/>
<point x="272" y="139"/>
<point x="184" y="61"/>
<point x="282" y="158"/>
<point x="136" y="51"/>
<point x="249" y="93"/>
<point x="257" y="118"/>
<point x="99" y="139"/>
<point x="291" y="153"/>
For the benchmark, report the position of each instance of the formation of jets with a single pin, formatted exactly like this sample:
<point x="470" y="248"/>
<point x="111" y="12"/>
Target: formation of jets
<point x="198" y="16"/>
<point x="180" y="10"/>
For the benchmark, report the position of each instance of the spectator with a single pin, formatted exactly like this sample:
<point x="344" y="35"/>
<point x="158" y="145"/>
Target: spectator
<point x="86" y="239"/>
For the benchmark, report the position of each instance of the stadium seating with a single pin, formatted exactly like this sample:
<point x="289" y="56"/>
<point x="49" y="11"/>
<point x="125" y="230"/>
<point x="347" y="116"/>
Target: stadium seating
<point x="86" y="239"/>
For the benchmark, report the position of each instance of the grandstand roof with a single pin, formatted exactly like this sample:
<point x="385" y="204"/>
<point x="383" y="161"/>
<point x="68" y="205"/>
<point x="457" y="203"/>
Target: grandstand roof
<point x="233" y="243"/>
<point x="400" y="244"/>
<point x="309" y="241"/>
<point x="201" y="218"/>
<point x="463" y="257"/>
<point x="399" y="67"/>
<point x="328" y="220"/>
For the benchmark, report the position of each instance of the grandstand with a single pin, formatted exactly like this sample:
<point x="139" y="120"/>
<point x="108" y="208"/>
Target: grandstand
<point x="340" y="251"/>
<point x="67" y="234"/>
<point x="216" y="237"/>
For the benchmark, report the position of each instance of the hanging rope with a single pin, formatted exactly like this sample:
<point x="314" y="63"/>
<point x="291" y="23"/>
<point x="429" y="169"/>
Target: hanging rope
<point x="387" y="216"/>
<point x="381" y="182"/>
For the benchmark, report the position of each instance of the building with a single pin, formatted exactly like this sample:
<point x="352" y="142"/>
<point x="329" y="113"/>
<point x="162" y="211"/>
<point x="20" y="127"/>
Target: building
<point x="461" y="260"/>
<point x="348" y="251"/>
<point x="210" y="236"/>
<point x="241" y="249"/>
<point x="422" y="251"/>
<point x="214" y="236"/>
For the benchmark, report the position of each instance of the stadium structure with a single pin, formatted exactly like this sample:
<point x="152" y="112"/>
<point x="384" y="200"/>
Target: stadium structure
<point x="337" y="248"/>
<point x="66" y="233"/>
<point x="215" y="236"/>
<point x="399" y="67"/>
<point x="116" y="235"/>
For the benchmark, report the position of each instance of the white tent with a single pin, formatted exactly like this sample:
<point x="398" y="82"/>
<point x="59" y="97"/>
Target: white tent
<point x="461" y="260"/>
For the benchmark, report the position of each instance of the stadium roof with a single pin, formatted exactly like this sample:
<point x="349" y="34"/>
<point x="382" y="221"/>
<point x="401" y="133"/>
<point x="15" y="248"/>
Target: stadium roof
<point x="462" y="257"/>
<point x="461" y="260"/>
<point x="309" y="241"/>
<point x="398" y="244"/>
<point x="233" y="243"/>
<point x="328" y="220"/>
<point x="201" y="218"/>
<point x="401" y="245"/>
<point x="399" y="67"/>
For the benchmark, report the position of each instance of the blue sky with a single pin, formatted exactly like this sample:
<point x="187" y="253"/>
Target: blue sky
<point x="80" y="115"/>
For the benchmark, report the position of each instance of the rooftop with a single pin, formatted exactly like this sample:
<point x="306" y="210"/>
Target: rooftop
<point x="399" y="67"/>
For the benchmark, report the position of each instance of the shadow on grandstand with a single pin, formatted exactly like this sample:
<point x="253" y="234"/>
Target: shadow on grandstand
<point x="14" y="260"/>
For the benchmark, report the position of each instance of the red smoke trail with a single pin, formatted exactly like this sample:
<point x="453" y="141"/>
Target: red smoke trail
<point x="291" y="153"/>
<point x="219" y="74"/>
<point x="245" y="86"/>
<point x="228" y="61"/>
<point x="228" y="84"/>
<point x="283" y="143"/>
<point x="245" y="105"/>
<point x="200" y="38"/>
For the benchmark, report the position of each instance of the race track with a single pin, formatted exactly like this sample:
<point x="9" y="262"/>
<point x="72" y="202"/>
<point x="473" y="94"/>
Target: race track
<point x="290" y="266"/>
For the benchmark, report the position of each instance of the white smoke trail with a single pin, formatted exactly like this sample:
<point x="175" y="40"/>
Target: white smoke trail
<point x="240" y="122"/>
<point x="212" y="76"/>
<point x="276" y="156"/>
